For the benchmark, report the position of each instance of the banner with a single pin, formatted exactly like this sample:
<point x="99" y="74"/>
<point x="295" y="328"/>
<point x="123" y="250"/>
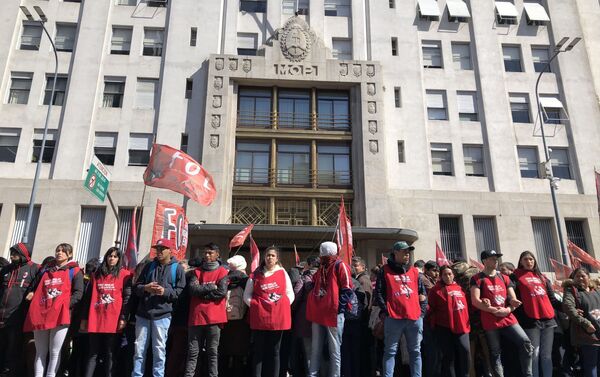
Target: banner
<point x="344" y="235"/>
<point x="296" y="256"/>
<point x="255" y="255"/>
<point x="562" y="271"/>
<point x="476" y="264"/>
<point x="440" y="256"/>
<point x="582" y="255"/>
<point x="170" y="222"/>
<point x="131" y="251"/>
<point x="174" y="170"/>
<point x="240" y="238"/>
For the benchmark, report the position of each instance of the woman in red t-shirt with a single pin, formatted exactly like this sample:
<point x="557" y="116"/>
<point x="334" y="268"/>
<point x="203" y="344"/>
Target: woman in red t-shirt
<point x="106" y="310"/>
<point x="269" y="294"/>
<point x="448" y="316"/>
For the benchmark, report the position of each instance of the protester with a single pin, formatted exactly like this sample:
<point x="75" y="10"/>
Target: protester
<point x="430" y="351"/>
<point x="157" y="288"/>
<point x="401" y="297"/>
<point x="16" y="280"/>
<point x="491" y="291"/>
<point x="431" y="273"/>
<point x="301" y="326"/>
<point x="581" y="302"/>
<point x="506" y="268"/>
<point x="328" y="301"/>
<point x="536" y="315"/>
<point x="207" y="289"/>
<point x="57" y="289"/>
<point x="448" y="316"/>
<point x="419" y="265"/>
<point x="366" y="343"/>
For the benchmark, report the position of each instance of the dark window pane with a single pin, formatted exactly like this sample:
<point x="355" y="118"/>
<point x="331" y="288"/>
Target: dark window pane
<point x="247" y="51"/>
<point x="139" y="157"/>
<point x="48" y="150"/>
<point x="253" y="6"/>
<point x="105" y="155"/>
<point x="512" y="65"/>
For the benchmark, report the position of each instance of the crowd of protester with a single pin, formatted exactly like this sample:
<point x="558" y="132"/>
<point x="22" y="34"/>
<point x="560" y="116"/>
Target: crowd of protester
<point x="323" y="317"/>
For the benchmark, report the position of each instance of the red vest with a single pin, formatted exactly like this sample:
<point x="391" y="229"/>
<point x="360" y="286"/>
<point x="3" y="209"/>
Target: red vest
<point x="449" y="308"/>
<point x="532" y="291"/>
<point x="49" y="306"/>
<point x="208" y="312"/>
<point x="106" y="302"/>
<point x="494" y="289"/>
<point x="270" y="306"/>
<point x="324" y="299"/>
<point x="402" y="293"/>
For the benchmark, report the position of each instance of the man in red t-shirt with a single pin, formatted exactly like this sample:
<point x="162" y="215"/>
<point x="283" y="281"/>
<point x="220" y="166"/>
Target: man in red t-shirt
<point x="494" y="295"/>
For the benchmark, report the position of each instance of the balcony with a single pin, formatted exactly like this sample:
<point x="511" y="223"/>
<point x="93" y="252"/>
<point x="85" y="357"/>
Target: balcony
<point x="293" y="121"/>
<point x="292" y="178"/>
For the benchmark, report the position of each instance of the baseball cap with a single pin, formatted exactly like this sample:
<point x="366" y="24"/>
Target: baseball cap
<point x="164" y="243"/>
<point x="489" y="253"/>
<point x="402" y="245"/>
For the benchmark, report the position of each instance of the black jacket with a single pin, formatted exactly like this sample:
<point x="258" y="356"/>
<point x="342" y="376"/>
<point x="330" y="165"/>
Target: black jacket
<point x="15" y="281"/>
<point x="208" y="291"/>
<point x="153" y="306"/>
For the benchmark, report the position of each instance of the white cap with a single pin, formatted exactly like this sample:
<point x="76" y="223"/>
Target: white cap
<point x="328" y="249"/>
<point x="237" y="262"/>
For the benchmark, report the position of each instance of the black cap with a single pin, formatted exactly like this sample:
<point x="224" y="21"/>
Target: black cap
<point x="489" y="253"/>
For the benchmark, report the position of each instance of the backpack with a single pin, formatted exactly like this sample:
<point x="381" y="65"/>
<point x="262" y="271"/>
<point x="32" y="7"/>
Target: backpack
<point x="358" y="302"/>
<point x="152" y="267"/>
<point x="235" y="306"/>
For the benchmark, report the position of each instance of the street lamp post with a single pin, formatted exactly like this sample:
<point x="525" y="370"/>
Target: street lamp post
<point x="554" y="181"/>
<point x="43" y="19"/>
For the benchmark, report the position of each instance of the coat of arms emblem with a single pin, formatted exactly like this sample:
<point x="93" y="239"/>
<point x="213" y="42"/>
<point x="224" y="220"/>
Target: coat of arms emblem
<point x="295" y="39"/>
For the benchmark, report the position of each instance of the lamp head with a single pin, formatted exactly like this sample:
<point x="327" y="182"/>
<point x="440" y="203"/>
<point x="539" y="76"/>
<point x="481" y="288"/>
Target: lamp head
<point x="573" y="43"/>
<point x="41" y="13"/>
<point x="561" y="43"/>
<point x="26" y="12"/>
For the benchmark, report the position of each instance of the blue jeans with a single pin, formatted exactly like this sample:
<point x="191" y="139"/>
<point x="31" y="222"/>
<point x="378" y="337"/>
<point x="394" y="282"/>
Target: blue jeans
<point x="333" y="336"/>
<point x="541" y="340"/>
<point x="413" y="333"/>
<point x="591" y="359"/>
<point x="157" y="331"/>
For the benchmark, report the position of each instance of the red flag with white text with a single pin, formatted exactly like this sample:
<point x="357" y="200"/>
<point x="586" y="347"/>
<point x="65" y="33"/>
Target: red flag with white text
<point x="582" y="255"/>
<point x="440" y="256"/>
<point x="562" y="271"/>
<point x="240" y="238"/>
<point x="254" y="254"/>
<point x="131" y="251"/>
<point x="344" y="235"/>
<point x="476" y="264"/>
<point x="170" y="222"/>
<point x="174" y="170"/>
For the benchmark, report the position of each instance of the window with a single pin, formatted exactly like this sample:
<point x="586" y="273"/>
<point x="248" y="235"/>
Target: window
<point x="333" y="110"/>
<point x="65" y="37"/>
<point x="291" y="7"/>
<point x="131" y="3"/>
<point x="536" y="14"/>
<point x="341" y="49"/>
<point x="441" y="159"/>
<point x="114" y="87"/>
<point x="333" y="165"/>
<point x="139" y="149"/>
<point x="293" y="164"/>
<point x="38" y="135"/>
<point x="31" y="36"/>
<point x="247" y="43"/>
<point x="252" y="162"/>
<point x="436" y="105"/>
<point x="450" y="237"/>
<point x="153" y="42"/>
<point x="394" y="46"/>
<point x="519" y="108"/>
<point x="392" y="4"/>
<point x="184" y="143"/>
<point x="146" y="93"/>
<point x="551" y="108"/>
<point x="540" y="56"/>
<point x="401" y="156"/>
<point x="576" y="233"/>
<point x="59" y="90"/>
<point x="120" y="43"/>
<point x="397" y="97"/>
<point x="294" y="108"/>
<point x="125" y="215"/>
<point x="467" y="106"/>
<point x="20" y="220"/>
<point x="105" y="147"/>
<point x="20" y="86"/>
<point x="91" y="228"/>
<point x="559" y="158"/>
<point x="9" y="144"/>
<point x="189" y="87"/>
<point x="428" y="10"/>
<point x="432" y="54"/>
<point x="253" y="6"/>
<point x="254" y="109"/>
<point x="545" y="246"/>
<point x="485" y="233"/>
<point x="473" y="155"/>
<point x="528" y="162"/>
<point x="461" y="56"/>
<point x="458" y="11"/>
<point x="506" y="13"/>
<point x="512" y="58"/>
<point x="156" y="3"/>
<point x="337" y="8"/>
<point x="193" y="36"/>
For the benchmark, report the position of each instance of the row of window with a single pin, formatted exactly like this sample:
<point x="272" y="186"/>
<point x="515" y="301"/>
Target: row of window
<point x="485" y="229"/>
<point x="333" y="8"/>
<point x="475" y="166"/>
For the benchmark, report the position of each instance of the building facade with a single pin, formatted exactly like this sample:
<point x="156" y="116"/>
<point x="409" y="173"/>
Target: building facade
<point x="422" y="114"/>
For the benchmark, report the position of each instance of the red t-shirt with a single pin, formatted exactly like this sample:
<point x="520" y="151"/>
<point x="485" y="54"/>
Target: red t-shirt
<point x="494" y="289"/>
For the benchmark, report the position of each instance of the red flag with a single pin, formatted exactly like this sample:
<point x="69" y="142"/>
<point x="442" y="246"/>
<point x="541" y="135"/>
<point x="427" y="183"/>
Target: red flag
<point x="174" y="170"/>
<point x="557" y="287"/>
<point x="476" y="264"/>
<point x="131" y="251"/>
<point x="383" y="259"/>
<point x="581" y="254"/>
<point x="562" y="271"/>
<point x="296" y="255"/>
<point x="170" y="222"/>
<point x="344" y="235"/>
<point x="440" y="256"/>
<point x="255" y="254"/>
<point x="240" y="238"/>
<point x="597" y="175"/>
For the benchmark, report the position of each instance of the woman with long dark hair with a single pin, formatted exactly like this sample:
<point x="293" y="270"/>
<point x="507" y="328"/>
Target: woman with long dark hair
<point x="536" y="315"/>
<point x="269" y="294"/>
<point x="107" y="296"/>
